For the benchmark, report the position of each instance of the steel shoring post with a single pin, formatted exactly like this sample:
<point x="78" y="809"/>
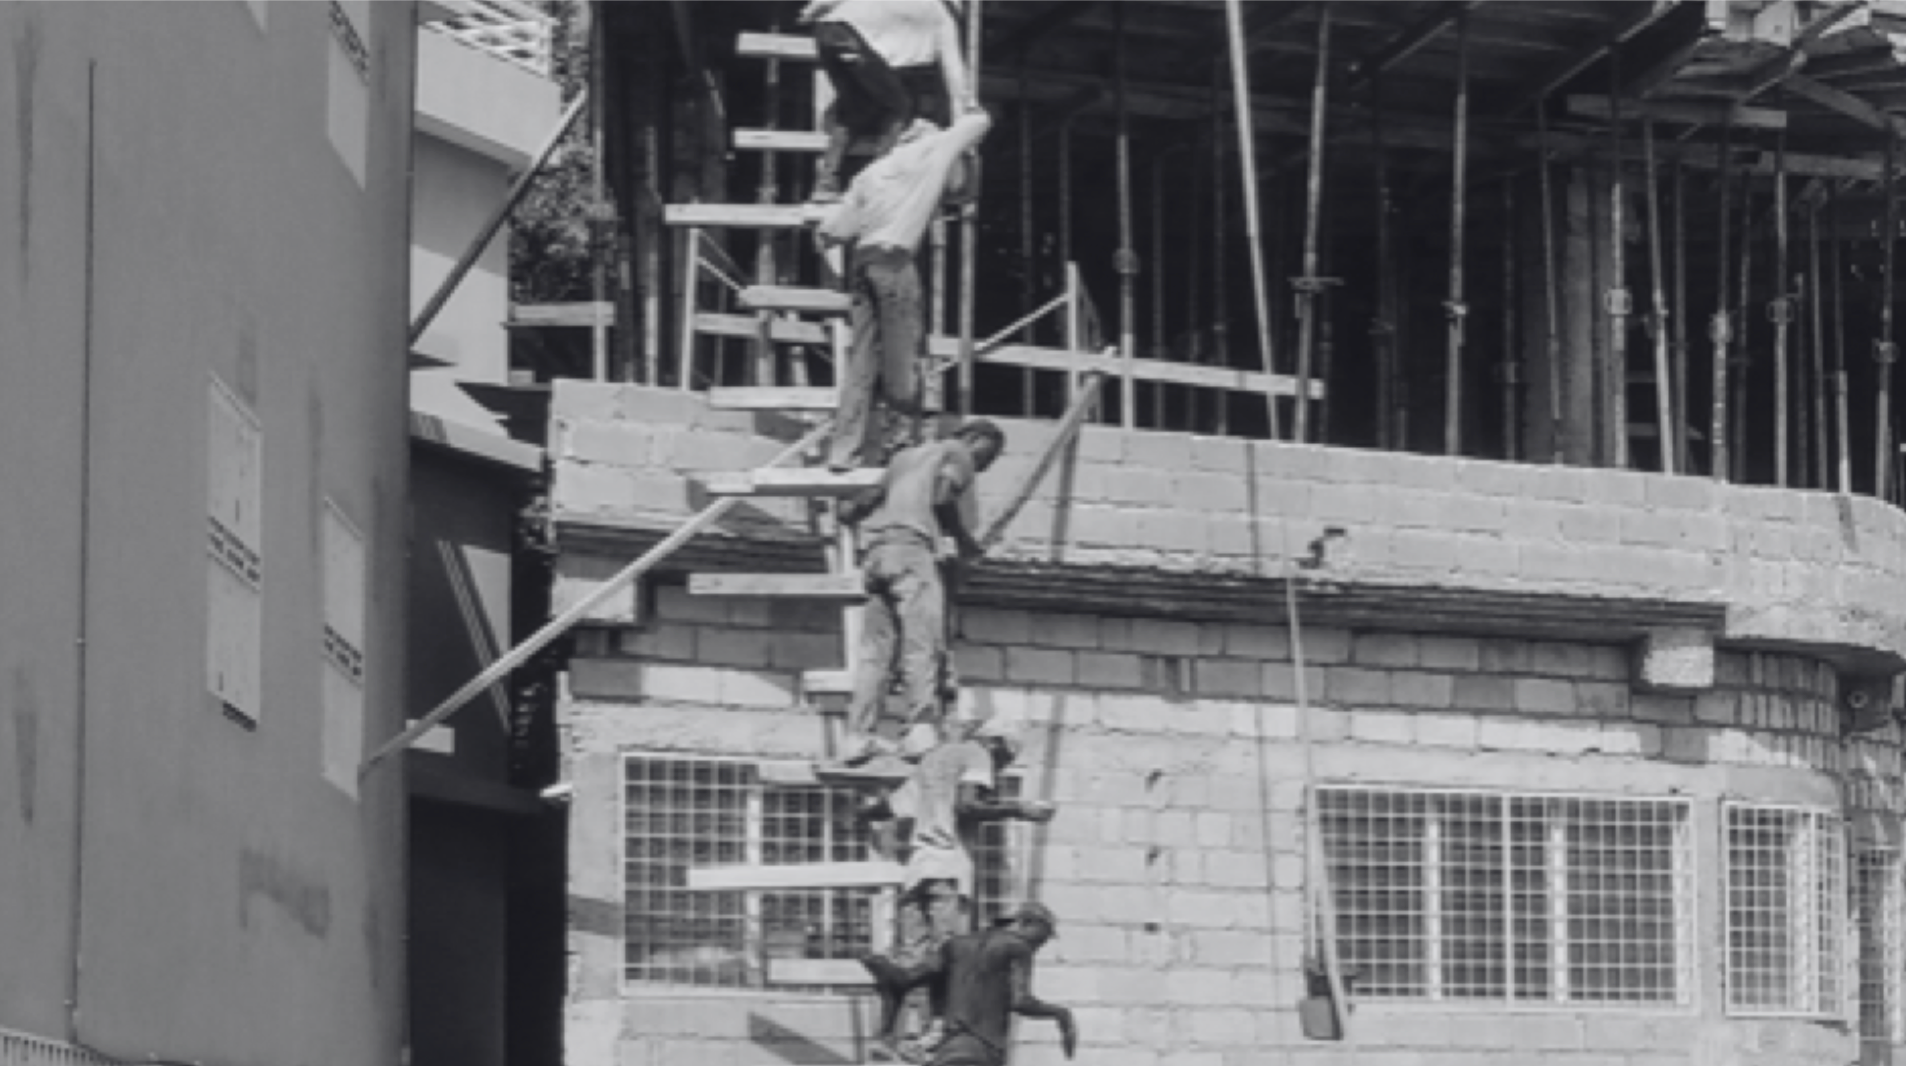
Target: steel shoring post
<point x="1719" y="328"/>
<point x="1383" y="330"/>
<point x="1664" y="417"/>
<point x="765" y="361"/>
<point x="1680" y="320"/>
<point x="1780" y="310"/>
<point x="1843" y="452"/>
<point x="1028" y="255"/>
<point x="1220" y="292"/>
<point x="474" y="251"/>
<point x="969" y="225"/>
<point x="1817" y="356"/>
<point x="1619" y="301"/>
<point x="1507" y="369"/>
<point x="1737" y="409"/>
<point x="1193" y="294"/>
<point x="1454" y="308"/>
<point x="1158" y="281"/>
<point x="1309" y="285"/>
<point x="1126" y="261"/>
<point x="1883" y="351"/>
<point x="1550" y="284"/>
<point x="1247" y="155"/>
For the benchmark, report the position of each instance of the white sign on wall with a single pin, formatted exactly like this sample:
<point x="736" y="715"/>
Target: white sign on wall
<point x="234" y="540"/>
<point x="344" y="583"/>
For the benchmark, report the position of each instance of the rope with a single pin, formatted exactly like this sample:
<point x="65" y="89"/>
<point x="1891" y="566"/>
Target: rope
<point x="1247" y="149"/>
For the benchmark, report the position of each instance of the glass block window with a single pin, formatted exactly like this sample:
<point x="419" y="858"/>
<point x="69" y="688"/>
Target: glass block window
<point x="682" y="812"/>
<point x="1505" y="898"/>
<point x="1786" y="911"/>
<point x="1877" y="899"/>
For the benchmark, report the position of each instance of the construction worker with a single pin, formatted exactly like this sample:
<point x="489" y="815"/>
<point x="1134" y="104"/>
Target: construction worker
<point x="982" y="979"/>
<point x="924" y="496"/>
<point x="883" y="218"/>
<point x="889" y="62"/>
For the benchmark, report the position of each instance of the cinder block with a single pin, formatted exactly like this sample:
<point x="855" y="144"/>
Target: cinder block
<point x="1602" y="699"/>
<point x="1591" y="525"/>
<point x="1160" y="636"/>
<point x="1225" y="455"/>
<point x="1420" y="689"/>
<point x="1482" y="692"/>
<point x="719" y="646"/>
<point x="1357" y="687"/>
<point x="1039" y="665"/>
<point x="1676" y="660"/>
<point x="1449" y="653"/>
<point x="1447" y="730"/>
<point x="1132" y="713"/>
<point x="986" y="625"/>
<point x="1108" y="670"/>
<point x="1505" y="656"/>
<point x="1173" y="531"/>
<point x="1717" y="708"/>
<point x="1102" y="524"/>
<point x="1382" y="727"/>
<point x="1256" y="642"/>
<point x="1384" y="649"/>
<point x="748" y="688"/>
<point x="1064" y="630"/>
<point x="1228" y="677"/>
<point x="979" y="662"/>
<point x="664" y="642"/>
<point x="1541" y="695"/>
<point x="1222" y="1028"/>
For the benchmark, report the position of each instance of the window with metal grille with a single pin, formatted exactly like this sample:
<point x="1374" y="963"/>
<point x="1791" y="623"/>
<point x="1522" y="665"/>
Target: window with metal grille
<point x="1786" y="911"/>
<point x="683" y="812"/>
<point x="1506" y="898"/>
<point x="1877" y="899"/>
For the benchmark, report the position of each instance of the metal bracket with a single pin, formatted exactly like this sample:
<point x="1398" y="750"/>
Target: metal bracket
<point x="1312" y="286"/>
<point x="1884" y="352"/>
<point x="1720" y="328"/>
<point x="1780" y="310"/>
<point x="1125" y="261"/>
<point x="1618" y="302"/>
<point x="1455" y="311"/>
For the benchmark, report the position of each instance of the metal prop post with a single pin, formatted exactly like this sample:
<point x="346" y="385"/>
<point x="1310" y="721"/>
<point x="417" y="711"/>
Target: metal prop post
<point x="1310" y="285"/>
<point x="1383" y="329"/>
<point x="1454" y="307"/>
<point x="1247" y="152"/>
<point x="1681" y="315"/>
<point x="1737" y="410"/>
<point x="1780" y="310"/>
<point x="969" y="223"/>
<point x="1551" y="285"/>
<point x="1619" y="301"/>
<point x="1719" y="328"/>
<point x="1028" y="253"/>
<point x="1843" y="450"/>
<point x="1125" y="261"/>
<point x="1817" y="352"/>
<point x="1506" y="370"/>
<point x="1220" y="292"/>
<point x="1664" y="417"/>
<point x="1883" y="350"/>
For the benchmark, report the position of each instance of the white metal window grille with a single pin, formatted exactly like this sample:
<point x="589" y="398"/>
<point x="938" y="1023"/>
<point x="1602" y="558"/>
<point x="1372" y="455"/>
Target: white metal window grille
<point x="681" y="812"/>
<point x="235" y="570"/>
<point x="1877" y="900"/>
<point x="1506" y="898"/>
<point x="25" y="1049"/>
<point x="1786" y="911"/>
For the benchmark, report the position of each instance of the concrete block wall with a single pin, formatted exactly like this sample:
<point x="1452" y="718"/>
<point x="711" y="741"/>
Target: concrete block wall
<point x="1176" y="863"/>
<point x="1809" y="568"/>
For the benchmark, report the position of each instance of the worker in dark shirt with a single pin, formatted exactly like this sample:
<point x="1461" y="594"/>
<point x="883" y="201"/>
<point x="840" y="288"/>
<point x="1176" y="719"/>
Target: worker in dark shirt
<point x="982" y="980"/>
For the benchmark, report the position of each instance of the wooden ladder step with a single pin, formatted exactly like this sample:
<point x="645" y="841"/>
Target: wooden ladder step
<point x="797" y="481"/>
<point x="826" y="588"/>
<point x="756" y="216"/>
<point x="776" y="46"/>
<point x="780" y="330"/>
<point x="817" y="972"/>
<point x="827" y="682"/>
<point x="748" y="140"/>
<point x="797" y="299"/>
<point x="773" y="398"/>
<point x="794" y="875"/>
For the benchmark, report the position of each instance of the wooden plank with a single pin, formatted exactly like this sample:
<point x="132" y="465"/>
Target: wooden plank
<point x="1844" y="103"/>
<point x="797" y="299"/>
<point x="823" y="588"/>
<point x="803" y="481"/>
<point x="817" y="972"/>
<point x="1207" y="377"/>
<point x="776" y="46"/>
<point x="758" y="216"/>
<point x="780" y="140"/>
<point x="827" y="683"/>
<point x="1692" y="112"/>
<point x="570" y="314"/>
<point x="773" y="398"/>
<point x="780" y="330"/>
<point x="801" y="875"/>
<point x="883" y="773"/>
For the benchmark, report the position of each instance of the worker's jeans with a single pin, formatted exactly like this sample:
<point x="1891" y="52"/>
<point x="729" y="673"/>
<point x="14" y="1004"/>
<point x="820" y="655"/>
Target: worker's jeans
<point x="903" y="632"/>
<point x="889" y="336"/>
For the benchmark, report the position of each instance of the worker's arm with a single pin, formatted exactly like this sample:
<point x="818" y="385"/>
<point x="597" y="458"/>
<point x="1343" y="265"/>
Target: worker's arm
<point x="951" y="484"/>
<point x="855" y="509"/>
<point x="817" y="10"/>
<point x="976" y="802"/>
<point x="1027" y="1005"/>
<point x="953" y="67"/>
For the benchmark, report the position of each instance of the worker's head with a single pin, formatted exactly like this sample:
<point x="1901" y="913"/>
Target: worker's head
<point x="984" y="439"/>
<point x="1000" y="739"/>
<point x="1033" y="922"/>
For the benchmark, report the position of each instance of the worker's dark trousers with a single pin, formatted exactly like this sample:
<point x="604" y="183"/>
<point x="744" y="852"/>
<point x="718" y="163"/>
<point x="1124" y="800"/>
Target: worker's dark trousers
<point x="889" y="338"/>
<point x="903" y="632"/>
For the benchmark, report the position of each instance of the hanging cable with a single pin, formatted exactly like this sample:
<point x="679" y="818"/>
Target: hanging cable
<point x="1247" y="152"/>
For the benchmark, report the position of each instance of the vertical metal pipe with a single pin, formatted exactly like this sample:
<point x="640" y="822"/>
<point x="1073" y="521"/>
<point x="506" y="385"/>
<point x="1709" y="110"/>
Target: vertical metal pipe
<point x="1247" y="155"/>
<point x="1883" y="352"/>
<point x="1307" y="290"/>
<point x="1459" y="181"/>
<point x="1743" y="357"/>
<point x="1720" y="328"/>
<point x="1126" y="261"/>
<point x="765" y="356"/>
<point x="1551" y="286"/>
<point x="1817" y="356"/>
<point x="1843" y="452"/>
<point x="1383" y="330"/>
<point x="1664" y="417"/>
<point x="1158" y="281"/>
<point x="599" y="202"/>
<point x="1220" y="289"/>
<point x="1681" y="314"/>
<point x="1028" y="252"/>
<point x="969" y="224"/>
<point x="1620" y="303"/>
<point x="1782" y="311"/>
<point x="1507" y="369"/>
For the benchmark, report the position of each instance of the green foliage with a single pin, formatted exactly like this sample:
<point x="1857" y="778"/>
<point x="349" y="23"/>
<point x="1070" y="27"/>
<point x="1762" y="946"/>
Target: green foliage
<point x="551" y="256"/>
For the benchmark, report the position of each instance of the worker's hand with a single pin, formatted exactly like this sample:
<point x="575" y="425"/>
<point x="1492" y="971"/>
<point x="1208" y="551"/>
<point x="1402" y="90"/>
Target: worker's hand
<point x="1038" y="810"/>
<point x="1068" y="1032"/>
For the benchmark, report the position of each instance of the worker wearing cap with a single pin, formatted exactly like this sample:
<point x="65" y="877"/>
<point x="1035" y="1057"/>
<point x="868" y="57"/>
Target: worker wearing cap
<point x="889" y="62"/>
<point x="924" y="499"/>
<point x="983" y="979"/>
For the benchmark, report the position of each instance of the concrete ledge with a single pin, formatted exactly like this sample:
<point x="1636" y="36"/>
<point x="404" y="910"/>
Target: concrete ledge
<point x="470" y="442"/>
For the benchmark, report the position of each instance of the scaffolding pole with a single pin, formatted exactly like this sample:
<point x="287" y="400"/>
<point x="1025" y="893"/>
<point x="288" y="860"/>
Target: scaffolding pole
<point x="1664" y="406"/>
<point x="1883" y="350"/>
<point x="1454" y="308"/>
<point x="1247" y="151"/>
<point x="1719" y="327"/>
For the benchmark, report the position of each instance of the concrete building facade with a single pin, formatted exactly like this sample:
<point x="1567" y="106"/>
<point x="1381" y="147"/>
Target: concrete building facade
<point x="202" y="310"/>
<point x="1583" y="748"/>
